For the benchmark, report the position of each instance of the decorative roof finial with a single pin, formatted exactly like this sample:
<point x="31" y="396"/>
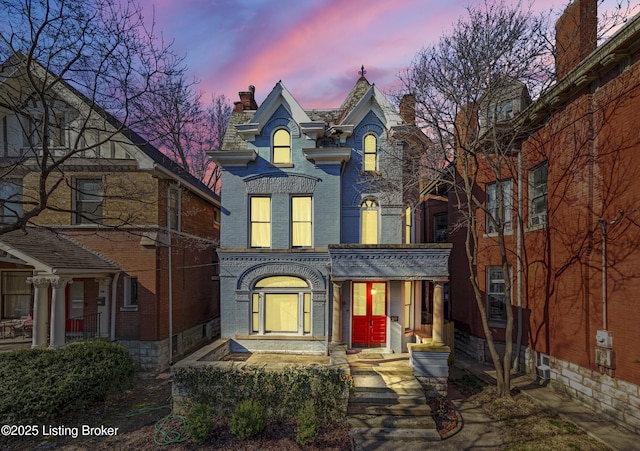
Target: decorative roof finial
<point x="362" y="71"/>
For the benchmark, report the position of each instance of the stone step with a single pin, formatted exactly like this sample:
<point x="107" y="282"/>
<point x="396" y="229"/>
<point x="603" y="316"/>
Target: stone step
<point x="404" y="390"/>
<point x="388" y="409"/>
<point x="394" y="434"/>
<point x="391" y="422"/>
<point x="387" y="398"/>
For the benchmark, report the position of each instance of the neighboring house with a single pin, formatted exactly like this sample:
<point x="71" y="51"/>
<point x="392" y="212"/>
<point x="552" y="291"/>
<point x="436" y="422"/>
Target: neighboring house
<point x="96" y="262"/>
<point x="575" y="203"/>
<point x="312" y="249"/>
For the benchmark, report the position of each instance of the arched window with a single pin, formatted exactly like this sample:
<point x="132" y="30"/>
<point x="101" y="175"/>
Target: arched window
<point x="369" y="221"/>
<point x="370" y="153"/>
<point x="281" y="147"/>
<point x="281" y="305"/>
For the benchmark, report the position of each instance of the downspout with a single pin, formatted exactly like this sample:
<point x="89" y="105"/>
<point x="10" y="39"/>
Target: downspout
<point x="170" y="278"/>
<point x="516" y="358"/>
<point x="114" y="297"/>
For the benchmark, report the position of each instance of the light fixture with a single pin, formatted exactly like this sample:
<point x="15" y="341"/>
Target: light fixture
<point x="373" y="291"/>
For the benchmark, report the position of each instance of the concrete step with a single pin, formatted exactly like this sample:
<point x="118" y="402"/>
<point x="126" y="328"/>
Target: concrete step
<point x="388" y="409"/>
<point x="406" y="389"/>
<point x="394" y="434"/>
<point x="373" y="397"/>
<point x="391" y="422"/>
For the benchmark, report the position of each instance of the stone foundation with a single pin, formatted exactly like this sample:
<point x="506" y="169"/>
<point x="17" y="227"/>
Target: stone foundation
<point x="152" y="357"/>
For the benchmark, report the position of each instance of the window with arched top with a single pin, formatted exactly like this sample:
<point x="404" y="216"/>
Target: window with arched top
<point x="370" y="152"/>
<point x="281" y="305"/>
<point x="281" y="147"/>
<point x="369" y="221"/>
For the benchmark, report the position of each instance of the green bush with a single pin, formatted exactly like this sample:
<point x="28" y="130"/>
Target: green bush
<point x="307" y="429"/>
<point x="248" y="420"/>
<point x="279" y="392"/>
<point x="200" y="422"/>
<point x="42" y="385"/>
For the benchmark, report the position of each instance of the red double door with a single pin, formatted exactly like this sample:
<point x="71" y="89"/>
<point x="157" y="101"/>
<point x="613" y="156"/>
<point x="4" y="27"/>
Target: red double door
<point x="369" y="320"/>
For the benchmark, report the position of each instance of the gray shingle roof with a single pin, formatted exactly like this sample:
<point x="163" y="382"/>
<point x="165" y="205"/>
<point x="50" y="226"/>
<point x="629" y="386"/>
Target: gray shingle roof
<point x="55" y="252"/>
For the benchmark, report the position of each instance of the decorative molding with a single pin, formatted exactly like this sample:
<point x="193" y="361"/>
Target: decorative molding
<point x="279" y="183"/>
<point x="247" y="279"/>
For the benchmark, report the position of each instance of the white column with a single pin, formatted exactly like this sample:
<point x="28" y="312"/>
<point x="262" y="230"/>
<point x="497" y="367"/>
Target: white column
<point x="103" y="305"/>
<point x="336" y="328"/>
<point x="438" y="315"/>
<point x="40" y="311"/>
<point x="58" y="308"/>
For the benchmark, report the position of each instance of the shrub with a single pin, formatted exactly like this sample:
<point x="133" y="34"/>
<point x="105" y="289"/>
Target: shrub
<point x="200" y="423"/>
<point x="248" y="420"/>
<point x="279" y="392"/>
<point x="307" y="424"/>
<point x="41" y="385"/>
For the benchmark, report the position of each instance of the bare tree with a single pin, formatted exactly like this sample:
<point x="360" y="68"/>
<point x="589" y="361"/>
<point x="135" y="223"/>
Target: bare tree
<point x="175" y="120"/>
<point x="469" y="89"/>
<point x="71" y="71"/>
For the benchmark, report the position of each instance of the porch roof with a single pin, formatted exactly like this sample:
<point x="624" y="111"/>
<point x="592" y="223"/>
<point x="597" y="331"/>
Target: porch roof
<point x="53" y="253"/>
<point x="390" y="261"/>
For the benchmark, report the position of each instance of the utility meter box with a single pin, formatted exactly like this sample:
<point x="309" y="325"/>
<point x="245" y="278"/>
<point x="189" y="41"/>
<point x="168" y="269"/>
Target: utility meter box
<point x="605" y="358"/>
<point x="604" y="339"/>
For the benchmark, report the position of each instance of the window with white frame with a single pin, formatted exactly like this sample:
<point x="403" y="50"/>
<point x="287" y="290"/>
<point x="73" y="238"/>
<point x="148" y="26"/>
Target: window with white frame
<point x="281" y="305"/>
<point x="10" y="200"/>
<point x="281" y="147"/>
<point x="538" y="195"/>
<point x="88" y="201"/>
<point x="301" y="221"/>
<point x="174" y="212"/>
<point x="493" y="207"/>
<point x="131" y="292"/>
<point x="17" y="294"/>
<point x="370" y="153"/>
<point x="369" y="222"/>
<point x="260" y="215"/>
<point x="496" y="304"/>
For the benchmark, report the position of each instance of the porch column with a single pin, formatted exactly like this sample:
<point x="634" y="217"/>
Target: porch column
<point x="58" y="307"/>
<point x="104" y="302"/>
<point x="336" y="328"/>
<point x="40" y="311"/>
<point x="438" y="315"/>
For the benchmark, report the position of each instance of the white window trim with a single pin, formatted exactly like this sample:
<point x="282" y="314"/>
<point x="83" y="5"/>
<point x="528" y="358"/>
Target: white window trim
<point x="540" y="220"/>
<point x="495" y="322"/>
<point x="261" y="311"/>
<point x="127" y="301"/>
<point x="507" y="207"/>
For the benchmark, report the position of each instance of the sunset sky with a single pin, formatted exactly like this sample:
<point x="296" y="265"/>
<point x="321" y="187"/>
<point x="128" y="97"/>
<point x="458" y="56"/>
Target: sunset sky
<point x="316" y="47"/>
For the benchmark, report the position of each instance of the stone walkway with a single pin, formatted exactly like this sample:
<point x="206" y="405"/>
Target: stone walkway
<point x="388" y="409"/>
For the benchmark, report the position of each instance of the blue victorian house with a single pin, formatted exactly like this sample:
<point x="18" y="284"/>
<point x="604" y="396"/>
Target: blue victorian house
<point x="315" y="242"/>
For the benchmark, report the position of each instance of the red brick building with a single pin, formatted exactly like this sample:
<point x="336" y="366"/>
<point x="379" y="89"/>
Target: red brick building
<point x="125" y="251"/>
<point x="573" y="207"/>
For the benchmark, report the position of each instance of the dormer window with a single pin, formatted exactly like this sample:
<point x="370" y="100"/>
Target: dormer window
<point x="370" y="153"/>
<point x="281" y="147"/>
<point x="504" y="111"/>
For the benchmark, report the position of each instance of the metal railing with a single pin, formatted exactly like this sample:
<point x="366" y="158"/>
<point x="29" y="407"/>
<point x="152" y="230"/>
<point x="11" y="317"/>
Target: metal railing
<point x="80" y="328"/>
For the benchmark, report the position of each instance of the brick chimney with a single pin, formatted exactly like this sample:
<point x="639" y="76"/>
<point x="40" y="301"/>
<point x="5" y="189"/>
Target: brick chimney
<point x="576" y="35"/>
<point x="408" y="109"/>
<point x="247" y="100"/>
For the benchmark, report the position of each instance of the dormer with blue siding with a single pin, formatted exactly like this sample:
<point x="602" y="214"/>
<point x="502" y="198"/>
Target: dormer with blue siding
<point x="307" y="196"/>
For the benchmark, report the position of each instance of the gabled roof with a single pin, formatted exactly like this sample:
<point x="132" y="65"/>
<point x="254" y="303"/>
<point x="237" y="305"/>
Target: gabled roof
<point x="53" y="253"/>
<point x="149" y="158"/>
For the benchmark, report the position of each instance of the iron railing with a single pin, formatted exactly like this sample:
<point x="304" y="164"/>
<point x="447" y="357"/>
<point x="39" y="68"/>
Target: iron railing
<point x="85" y="327"/>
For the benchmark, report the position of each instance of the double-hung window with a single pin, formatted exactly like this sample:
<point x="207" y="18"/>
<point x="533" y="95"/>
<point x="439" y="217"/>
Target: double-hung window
<point x="496" y="304"/>
<point x="131" y="292"/>
<point x="369" y="222"/>
<point x="88" y="201"/>
<point x="538" y="195"/>
<point x="10" y="200"/>
<point x="16" y="294"/>
<point x="281" y="305"/>
<point x="260" y="221"/>
<point x="493" y="207"/>
<point x="301" y="221"/>
<point x="370" y="153"/>
<point x="281" y="147"/>
<point x="174" y="209"/>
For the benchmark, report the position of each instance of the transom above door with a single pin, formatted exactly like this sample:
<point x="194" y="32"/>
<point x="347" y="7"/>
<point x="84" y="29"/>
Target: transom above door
<point x="369" y="319"/>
